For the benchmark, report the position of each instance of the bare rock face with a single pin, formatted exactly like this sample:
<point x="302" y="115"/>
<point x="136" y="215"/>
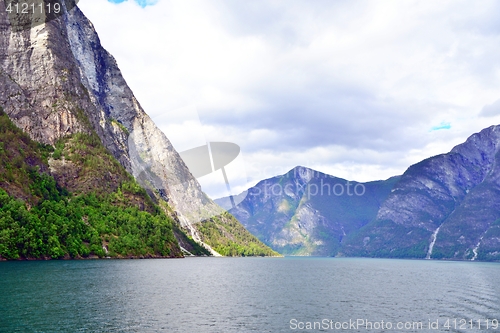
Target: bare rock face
<point x="56" y="80"/>
<point x="39" y="91"/>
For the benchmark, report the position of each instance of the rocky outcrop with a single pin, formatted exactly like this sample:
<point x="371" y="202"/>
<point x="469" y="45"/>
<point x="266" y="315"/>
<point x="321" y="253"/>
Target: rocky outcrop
<point x="40" y="92"/>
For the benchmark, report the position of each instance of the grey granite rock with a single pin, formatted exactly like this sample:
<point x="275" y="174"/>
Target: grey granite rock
<point x="56" y="80"/>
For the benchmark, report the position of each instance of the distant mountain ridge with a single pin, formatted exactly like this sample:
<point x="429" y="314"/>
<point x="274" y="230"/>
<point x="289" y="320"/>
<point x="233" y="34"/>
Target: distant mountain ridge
<point x="306" y="212"/>
<point x="444" y="207"/>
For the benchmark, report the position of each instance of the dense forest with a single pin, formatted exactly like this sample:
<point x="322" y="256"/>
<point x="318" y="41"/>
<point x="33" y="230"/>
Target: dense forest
<point x="229" y="238"/>
<point x="107" y="214"/>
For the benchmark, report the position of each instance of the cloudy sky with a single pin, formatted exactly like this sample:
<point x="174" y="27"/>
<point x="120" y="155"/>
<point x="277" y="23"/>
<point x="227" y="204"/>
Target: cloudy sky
<point x="357" y="89"/>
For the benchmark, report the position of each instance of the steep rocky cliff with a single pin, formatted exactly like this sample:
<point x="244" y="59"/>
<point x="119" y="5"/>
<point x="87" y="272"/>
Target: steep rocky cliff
<point x="57" y="80"/>
<point x="306" y="212"/>
<point x="447" y="206"/>
<point x="128" y="132"/>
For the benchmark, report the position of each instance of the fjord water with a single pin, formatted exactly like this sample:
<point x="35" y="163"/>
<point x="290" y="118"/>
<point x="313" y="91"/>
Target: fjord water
<point x="243" y="294"/>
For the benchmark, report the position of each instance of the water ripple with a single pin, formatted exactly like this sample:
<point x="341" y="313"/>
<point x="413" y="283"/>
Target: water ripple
<point x="241" y="294"/>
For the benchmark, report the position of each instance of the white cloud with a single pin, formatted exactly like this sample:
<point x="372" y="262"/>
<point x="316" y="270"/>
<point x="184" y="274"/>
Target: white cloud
<point x="491" y="110"/>
<point x="349" y="87"/>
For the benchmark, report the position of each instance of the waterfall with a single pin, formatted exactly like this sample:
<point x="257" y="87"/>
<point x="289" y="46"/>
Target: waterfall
<point x="433" y="241"/>
<point x="474" y="250"/>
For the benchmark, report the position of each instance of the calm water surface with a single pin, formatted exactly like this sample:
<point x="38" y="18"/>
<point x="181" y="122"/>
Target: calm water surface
<point x="247" y="295"/>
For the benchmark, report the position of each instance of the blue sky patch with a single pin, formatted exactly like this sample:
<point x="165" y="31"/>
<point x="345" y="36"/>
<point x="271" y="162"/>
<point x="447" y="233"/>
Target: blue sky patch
<point x="142" y="3"/>
<point x="443" y="126"/>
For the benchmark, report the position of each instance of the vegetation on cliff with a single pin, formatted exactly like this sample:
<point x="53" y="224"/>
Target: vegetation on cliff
<point x="229" y="238"/>
<point x="106" y="214"/>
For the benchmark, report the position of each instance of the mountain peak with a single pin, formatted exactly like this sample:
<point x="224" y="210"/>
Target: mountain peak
<point x="303" y="173"/>
<point x="307" y="212"/>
